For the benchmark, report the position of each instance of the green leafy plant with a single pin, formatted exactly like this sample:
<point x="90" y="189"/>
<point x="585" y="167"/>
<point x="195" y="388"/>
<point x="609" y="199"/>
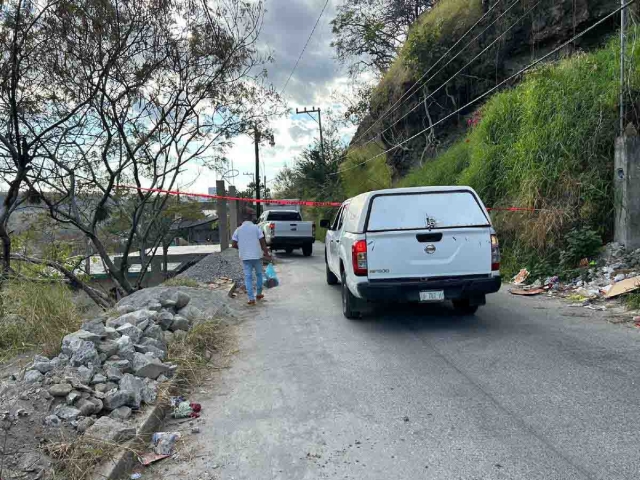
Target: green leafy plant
<point x="580" y="243"/>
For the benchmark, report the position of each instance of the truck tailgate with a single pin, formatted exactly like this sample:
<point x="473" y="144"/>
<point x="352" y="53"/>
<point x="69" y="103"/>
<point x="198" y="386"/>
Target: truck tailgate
<point x="293" y="229"/>
<point x="429" y="253"/>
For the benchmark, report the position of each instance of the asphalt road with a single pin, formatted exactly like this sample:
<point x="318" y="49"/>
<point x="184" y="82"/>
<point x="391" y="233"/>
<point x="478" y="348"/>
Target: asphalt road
<point x="523" y="390"/>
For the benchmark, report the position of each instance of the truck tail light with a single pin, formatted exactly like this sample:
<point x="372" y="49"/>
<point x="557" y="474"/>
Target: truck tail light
<point x="359" y="257"/>
<point x="272" y="227"/>
<point x="313" y="231"/>
<point x="495" y="253"/>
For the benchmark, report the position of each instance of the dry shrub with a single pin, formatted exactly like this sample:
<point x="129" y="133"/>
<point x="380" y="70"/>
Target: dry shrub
<point x="193" y="354"/>
<point x="76" y="459"/>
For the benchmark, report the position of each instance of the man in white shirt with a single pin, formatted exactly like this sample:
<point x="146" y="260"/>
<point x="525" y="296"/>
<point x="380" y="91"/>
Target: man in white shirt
<point x="249" y="240"/>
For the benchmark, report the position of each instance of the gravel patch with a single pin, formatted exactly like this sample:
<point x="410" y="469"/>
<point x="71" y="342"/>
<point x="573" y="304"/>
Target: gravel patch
<point x="216" y="265"/>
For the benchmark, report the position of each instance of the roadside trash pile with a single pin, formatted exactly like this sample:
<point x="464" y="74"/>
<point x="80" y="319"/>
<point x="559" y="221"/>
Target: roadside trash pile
<point x="106" y="371"/>
<point x="614" y="273"/>
<point x="163" y="444"/>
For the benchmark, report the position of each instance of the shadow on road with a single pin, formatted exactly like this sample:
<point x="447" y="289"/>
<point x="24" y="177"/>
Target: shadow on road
<point x="422" y="317"/>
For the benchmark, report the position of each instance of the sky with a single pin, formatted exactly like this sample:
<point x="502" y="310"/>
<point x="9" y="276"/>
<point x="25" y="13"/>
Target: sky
<point x="287" y="26"/>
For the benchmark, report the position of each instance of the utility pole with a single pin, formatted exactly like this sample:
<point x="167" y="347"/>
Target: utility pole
<point x="309" y="112"/>
<point x="256" y="133"/>
<point x="623" y="22"/>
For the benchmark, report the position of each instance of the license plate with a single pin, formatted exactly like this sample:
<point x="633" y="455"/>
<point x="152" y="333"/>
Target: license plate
<point x="434" y="296"/>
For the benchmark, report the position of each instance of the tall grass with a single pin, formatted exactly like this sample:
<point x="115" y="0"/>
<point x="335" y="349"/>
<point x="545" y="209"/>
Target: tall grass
<point x="37" y="315"/>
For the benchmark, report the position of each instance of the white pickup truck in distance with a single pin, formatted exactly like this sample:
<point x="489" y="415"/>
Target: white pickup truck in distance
<point x="424" y="244"/>
<point x="285" y="230"/>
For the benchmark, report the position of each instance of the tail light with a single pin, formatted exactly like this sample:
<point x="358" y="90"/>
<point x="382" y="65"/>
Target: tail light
<point x="495" y="253"/>
<point x="313" y="231"/>
<point x="272" y="227"/>
<point x="359" y="257"/>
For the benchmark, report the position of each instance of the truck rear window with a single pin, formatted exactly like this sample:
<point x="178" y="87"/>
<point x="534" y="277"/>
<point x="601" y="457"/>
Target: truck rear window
<point x="422" y="210"/>
<point x="284" y="217"/>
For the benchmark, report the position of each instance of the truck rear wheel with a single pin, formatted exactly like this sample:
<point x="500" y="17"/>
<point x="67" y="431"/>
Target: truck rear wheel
<point x="349" y="301"/>
<point x="307" y="249"/>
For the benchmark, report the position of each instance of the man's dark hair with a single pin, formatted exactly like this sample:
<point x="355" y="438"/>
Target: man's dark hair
<point x="247" y="216"/>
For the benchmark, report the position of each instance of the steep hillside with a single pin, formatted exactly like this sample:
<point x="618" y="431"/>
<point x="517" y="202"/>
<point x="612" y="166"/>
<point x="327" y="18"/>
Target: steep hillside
<point x="546" y="143"/>
<point x="513" y="34"/>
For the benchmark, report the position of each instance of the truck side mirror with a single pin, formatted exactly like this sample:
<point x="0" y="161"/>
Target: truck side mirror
<point x="325" y="224"/>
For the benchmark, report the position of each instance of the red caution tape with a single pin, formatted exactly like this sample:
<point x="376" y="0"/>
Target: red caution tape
<point x="304" y="203"/>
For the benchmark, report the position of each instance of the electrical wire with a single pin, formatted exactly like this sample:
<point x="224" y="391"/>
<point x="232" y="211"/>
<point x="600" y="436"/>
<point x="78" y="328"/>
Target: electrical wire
<point x="409" y="91"/>
<point x="304" y="48"/>
<point x="489" y="92"/>
<point x="456" y="74"/>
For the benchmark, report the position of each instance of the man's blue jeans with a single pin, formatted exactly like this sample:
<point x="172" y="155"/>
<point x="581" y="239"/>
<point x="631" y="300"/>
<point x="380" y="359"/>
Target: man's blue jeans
<point x="249" y="266"/>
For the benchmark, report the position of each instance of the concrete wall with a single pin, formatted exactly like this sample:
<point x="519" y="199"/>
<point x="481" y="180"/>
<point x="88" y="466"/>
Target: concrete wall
<point x="627" y="191"/>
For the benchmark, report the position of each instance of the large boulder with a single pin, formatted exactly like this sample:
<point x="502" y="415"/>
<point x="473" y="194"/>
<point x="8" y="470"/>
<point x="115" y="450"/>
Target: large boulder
<point x="150" y="367"/>
<point x="110" y="430"/>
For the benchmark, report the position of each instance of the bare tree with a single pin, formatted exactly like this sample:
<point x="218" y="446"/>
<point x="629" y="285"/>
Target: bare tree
<point x="183" y="84"/>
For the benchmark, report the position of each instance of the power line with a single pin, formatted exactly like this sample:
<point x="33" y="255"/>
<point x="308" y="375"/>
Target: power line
<point x="489" y="92"/>
<point x="409" y="91"/>
<point x="458" y="72"/>
<point x="304" y="48"/>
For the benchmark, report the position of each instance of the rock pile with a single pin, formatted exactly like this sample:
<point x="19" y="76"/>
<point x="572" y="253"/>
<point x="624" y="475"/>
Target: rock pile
<point x="113" y="364"/>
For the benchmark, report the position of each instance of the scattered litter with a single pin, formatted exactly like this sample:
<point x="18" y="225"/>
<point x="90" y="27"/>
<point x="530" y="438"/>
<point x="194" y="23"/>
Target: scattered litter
<point x="271" y="279"/>
<point x="625" y="286"/>
<point x="151" y="457"/>
<point x="164" y="442"/>
<point x="195" y="430"/>
<point x="185" y="409"/>
<point x="136" y="476"/>
<point x="599" y="308"/>
<point x="521" y="277"/>
<point x="527" y="293"/>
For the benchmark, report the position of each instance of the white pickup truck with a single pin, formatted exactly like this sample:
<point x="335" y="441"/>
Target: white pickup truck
<point x="285" y="230"/>
<point x="425" y="244"/>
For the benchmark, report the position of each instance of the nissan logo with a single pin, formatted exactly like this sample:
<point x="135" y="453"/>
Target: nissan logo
<point x="430" y="249"/>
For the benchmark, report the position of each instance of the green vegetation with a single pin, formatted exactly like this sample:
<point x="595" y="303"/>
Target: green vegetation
<point x="633" y="301"/>
<point x="37" y="316"/>
<point x="358" y="176"/>
<point x="546" y="144"/>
